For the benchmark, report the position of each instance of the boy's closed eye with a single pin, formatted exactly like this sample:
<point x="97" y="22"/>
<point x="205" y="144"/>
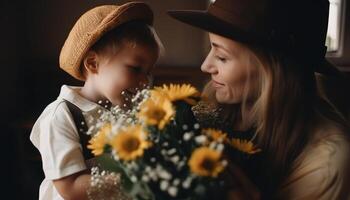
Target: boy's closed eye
<point x="137" y="69"/>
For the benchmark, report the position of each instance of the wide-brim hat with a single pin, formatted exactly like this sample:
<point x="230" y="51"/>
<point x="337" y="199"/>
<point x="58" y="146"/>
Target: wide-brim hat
<point x="92" y="25"/>
<point x="296" y="28"/>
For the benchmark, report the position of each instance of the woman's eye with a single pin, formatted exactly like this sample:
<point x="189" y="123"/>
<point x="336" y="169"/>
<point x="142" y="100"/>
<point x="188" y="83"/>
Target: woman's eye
<point x="222" y="59"/>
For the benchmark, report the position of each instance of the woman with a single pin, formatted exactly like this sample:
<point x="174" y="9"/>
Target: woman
<point x="263" y="59"/>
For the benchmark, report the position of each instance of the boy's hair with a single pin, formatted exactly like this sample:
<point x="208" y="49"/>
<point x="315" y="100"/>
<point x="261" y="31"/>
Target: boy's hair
<point x="131" y="33"/>
<point x="134" y="33"/>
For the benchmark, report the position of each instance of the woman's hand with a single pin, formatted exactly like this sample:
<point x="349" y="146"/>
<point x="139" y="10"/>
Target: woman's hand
<point x="244" y="189"/>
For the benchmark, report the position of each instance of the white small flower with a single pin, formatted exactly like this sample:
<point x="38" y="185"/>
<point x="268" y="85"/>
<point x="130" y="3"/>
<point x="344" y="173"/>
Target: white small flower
<point x="196" y="126"/>
<point x="129" y="120"/>
<point x="148" y="169"/>
<point x="164" y="175"/>
<point x="187" y="183"/>
<point x="153" y="176"/>
<point x="220" y="147"/>
<point x="224" y="163"/>
<point x="176" y="182"/>
<point x="133" y="179"/>
<point x="115" y="155"/>
<point x="172" y="191"/>
<point x="212" y="145"/>
<point x="145" y="178"/>
<point x="175" y="159"/>
<point x="180" y="164"/>
<point x="171" y="151"/>
<point x="187" y="136"/>
<point x="201" y="139"/>
<point x="164" y="185"/>
<point x="163" y="152"/>
<point x="165" y="144"/>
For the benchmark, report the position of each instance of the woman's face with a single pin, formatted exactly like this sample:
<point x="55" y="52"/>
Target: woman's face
<point x="229" y="64"/>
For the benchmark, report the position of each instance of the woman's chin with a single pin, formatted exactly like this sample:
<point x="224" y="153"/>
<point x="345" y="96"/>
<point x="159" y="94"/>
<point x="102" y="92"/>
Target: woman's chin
<point x="221" y="98"/>
<point x="224" y="98"/>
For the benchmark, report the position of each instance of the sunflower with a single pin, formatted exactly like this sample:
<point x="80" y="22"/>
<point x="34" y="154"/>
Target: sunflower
<point x="157" y="111"/>
<point x="99" y="141"/>
<point x="177" y="92"/>
<point x="206" y="162"/>
<point x="244" y="146"/>
<point x="215" y="135"/>
<point x="130" y="143"/>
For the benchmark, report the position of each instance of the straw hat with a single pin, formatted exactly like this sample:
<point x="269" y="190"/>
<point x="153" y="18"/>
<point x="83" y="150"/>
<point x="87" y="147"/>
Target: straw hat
<point x="92" y="25"/>
<point x="298" y="28"/>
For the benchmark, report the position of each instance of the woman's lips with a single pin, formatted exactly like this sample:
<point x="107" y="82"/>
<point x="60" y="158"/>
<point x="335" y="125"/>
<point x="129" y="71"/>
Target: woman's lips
<point x="217" y="84"/>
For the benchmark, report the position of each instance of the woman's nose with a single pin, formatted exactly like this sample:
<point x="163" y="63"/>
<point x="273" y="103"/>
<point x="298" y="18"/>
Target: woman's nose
<point x="208" y="66"/>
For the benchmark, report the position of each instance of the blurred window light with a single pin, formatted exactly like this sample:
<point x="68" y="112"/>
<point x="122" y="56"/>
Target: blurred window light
<point x="334" y="25"/>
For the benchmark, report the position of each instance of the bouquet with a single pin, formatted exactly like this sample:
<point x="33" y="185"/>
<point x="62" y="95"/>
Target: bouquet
<point x="158" y="150"/>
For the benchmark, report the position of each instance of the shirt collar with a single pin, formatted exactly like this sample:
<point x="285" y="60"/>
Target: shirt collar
<point x="71" y="94"/>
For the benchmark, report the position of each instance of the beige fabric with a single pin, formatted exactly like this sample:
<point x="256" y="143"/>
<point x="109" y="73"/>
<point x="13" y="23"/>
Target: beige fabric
<point x="322" y="171"/>
<point x="92" y="25"/>
<point x="55" y="135"/>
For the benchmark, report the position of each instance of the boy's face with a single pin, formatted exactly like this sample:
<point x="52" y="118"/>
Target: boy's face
<point x="125" y="70"/>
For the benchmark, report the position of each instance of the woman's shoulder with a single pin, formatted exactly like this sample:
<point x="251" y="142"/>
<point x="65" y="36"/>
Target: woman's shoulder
<point x="329" y="147"/>
<point x="321" y="170"/>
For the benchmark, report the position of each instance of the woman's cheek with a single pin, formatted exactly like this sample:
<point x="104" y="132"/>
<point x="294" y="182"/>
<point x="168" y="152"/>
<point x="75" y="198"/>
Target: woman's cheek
<point x="236" y="75"/>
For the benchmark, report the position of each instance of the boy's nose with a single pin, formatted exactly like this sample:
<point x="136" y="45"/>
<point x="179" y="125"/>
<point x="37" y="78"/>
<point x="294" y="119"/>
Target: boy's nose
<point x="144" y="81"/>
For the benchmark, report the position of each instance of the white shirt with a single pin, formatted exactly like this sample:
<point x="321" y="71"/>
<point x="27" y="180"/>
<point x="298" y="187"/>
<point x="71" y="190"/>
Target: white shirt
<point x="55" y="135"/>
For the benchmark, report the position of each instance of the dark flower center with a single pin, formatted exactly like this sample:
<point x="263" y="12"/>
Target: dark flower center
<point x="131" y="144"/>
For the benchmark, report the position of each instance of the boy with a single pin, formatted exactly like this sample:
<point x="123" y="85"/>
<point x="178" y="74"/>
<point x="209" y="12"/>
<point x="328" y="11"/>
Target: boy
<point x="113" y="50"/>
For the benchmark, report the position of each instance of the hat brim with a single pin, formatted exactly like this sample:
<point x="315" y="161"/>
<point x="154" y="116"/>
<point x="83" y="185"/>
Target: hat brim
<point x="206" y="21"/>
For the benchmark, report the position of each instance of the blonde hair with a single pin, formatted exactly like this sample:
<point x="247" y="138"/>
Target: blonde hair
<point x="286" y="104"/>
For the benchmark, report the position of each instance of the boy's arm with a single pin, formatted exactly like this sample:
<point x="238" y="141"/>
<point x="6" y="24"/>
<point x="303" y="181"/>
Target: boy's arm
<point x="56" y="137"/>
<point x="74" y="186"/>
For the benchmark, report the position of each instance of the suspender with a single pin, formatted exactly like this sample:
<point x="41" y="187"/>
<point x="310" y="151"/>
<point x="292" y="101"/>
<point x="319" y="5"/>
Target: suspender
<point x="82" y="128"/>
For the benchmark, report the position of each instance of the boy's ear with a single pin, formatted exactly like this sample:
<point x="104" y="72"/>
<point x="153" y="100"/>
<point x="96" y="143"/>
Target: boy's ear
<point x="91" y="62"/>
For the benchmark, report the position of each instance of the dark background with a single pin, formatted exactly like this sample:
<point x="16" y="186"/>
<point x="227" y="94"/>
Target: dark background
<point x="32" y="34"/>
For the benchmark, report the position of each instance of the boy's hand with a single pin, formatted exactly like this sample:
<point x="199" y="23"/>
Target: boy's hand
<point x="106" y="186"/>
<point x="74" y="186"/>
